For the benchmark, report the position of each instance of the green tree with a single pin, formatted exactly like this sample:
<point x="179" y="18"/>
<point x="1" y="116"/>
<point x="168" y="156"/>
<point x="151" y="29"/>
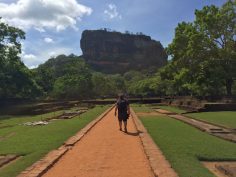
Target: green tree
<point x="72" y="87"/>
<point x="219" y="26"/>
<point x="203" y="53"/>
<point x="63" y="76"/>
<point x="101" y="87"/>
<point x="146" y="87"/>
<point x="15" y="78"/>
<point x="117" y="84"/>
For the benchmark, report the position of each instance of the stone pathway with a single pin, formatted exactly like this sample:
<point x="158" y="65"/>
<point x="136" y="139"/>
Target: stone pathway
<point x="215" y="130"/>
<point x="105" y="152"/>
<point x="101" y="150"/>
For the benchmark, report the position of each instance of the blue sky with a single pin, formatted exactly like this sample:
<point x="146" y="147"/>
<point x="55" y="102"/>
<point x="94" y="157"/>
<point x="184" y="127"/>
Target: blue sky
<point x="54" y="27"/>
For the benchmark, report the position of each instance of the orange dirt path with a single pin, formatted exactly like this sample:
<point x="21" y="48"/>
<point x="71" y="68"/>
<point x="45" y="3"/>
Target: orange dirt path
<point x="105" y="152"/>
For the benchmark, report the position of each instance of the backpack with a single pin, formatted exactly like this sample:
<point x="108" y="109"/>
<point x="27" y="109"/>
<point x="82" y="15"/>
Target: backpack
<point x="122" y="105"/>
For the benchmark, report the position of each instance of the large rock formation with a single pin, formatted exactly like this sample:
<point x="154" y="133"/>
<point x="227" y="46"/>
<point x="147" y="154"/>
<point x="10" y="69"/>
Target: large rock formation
<point x="114" y="52"/>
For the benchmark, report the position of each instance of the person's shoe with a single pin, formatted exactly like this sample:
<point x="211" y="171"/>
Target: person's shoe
<point x="120" y="129"/>
<point x="126" y="130"/>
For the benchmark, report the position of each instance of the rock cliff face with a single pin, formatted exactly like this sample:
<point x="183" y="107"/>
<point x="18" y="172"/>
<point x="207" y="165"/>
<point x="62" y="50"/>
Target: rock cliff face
<point x="114" y="52"/>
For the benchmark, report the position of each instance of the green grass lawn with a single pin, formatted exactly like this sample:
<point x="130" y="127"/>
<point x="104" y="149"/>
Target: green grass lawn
<point x="34" y="142"/>
<point x="141" y="108"/>
<point x="147" y="108"/>
<point x="172" y="109"/>
<point x="184" y="146"/>
<point x="224" y="118"/>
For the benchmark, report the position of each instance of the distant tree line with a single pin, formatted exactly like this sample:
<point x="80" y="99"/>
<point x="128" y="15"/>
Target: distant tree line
<point x="69" y="77"/>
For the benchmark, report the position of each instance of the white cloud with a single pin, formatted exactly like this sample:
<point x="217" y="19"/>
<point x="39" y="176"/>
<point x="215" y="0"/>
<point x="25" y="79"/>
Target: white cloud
<point x="41" y="14"/>
<point x="40" y="29"/>
<point x="33" y="60"/>
<point x="30" y="60"/>
<point x="111" y="12"/>
<point x="48" y="40"/>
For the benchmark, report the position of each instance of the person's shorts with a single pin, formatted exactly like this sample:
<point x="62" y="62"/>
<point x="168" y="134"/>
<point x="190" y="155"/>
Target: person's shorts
<point x="123" y="117"/>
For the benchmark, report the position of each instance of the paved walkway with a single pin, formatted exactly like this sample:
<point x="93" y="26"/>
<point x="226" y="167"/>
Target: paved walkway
<point x="105" y="152"/>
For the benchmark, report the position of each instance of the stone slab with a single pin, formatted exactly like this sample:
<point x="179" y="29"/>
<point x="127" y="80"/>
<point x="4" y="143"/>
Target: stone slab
<point x="7" y="159"/>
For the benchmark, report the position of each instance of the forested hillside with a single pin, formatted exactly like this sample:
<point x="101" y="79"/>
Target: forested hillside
<point x="69" y="77"/>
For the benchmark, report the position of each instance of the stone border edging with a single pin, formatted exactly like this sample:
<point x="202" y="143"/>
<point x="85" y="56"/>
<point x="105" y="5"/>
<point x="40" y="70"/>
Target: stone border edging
<point x="169" y="113"/>
<point x="10" y="158"/>
<point x="204" y="126"/>
<point x="158" y="163"/>
<point x="223" y="133"/>
<point x="43" y="165"/>
<point x="211" y="123"/>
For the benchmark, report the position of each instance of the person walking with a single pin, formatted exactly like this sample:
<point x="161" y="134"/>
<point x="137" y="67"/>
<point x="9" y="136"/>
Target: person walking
<point x="123" y="108"/>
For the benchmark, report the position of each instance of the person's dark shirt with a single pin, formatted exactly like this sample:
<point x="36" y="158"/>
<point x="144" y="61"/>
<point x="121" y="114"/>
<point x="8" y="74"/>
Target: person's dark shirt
<point x="122" y="105"/>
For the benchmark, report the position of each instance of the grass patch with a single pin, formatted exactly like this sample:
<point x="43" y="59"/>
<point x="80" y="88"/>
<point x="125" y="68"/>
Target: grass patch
<point x="35" y="142"/>
<point x="184" y="145"/>
<point x="224" y="118"/>
<point x="172" y="109"/>
<point x="141" y="108"/>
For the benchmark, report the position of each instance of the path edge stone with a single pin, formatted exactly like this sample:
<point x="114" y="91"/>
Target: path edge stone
<point x="41" y="166"/>
<point x="158" y="163"/>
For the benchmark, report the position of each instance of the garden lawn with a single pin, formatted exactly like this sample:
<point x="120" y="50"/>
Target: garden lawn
<point x="172" y="109"/>
<point x="141" y="108"/>
<point x="35" y="142"/>
<point x="224" y="118"/>
<point x="184" y="146"/>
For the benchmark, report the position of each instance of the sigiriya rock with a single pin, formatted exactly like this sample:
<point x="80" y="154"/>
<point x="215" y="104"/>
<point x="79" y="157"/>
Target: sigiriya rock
<point x="115" y="52"/>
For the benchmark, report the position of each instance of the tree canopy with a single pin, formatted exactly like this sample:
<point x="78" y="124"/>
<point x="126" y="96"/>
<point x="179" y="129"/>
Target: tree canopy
<point x="15" y="78"/>
<point x="203" y="53"/>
